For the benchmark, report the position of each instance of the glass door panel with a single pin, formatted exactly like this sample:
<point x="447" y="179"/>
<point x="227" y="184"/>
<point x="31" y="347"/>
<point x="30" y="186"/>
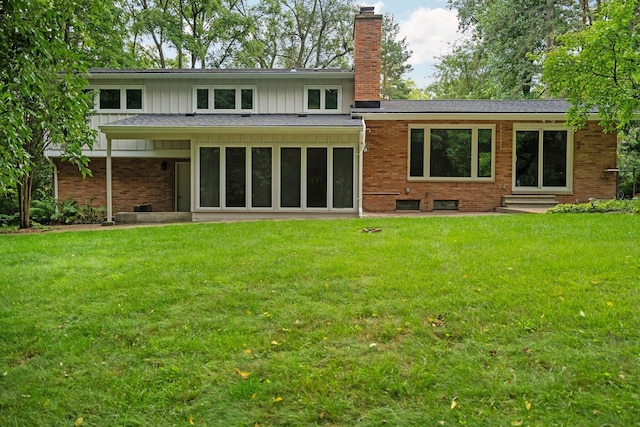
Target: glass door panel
<point x="261" y="177"/>
<point x="526" y="168"/>
<point x="210" y="177"/>
<point x="554" y="159"/>
<point x="236" y="177"/>
<point x="317" y="177"/>
<point x="343" y="177"/>
<point x="290" y="177"/>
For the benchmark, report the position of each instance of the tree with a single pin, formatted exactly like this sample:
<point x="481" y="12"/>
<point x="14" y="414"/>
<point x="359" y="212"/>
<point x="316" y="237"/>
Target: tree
<point x="394" y="56"/>
<point x="599" y="67"/>
<point x="42" y="102"/>
<point x="152" y="19"/>
<point x="464" y="73"/>
<point x="498" y="60"/>
<point x="304" y="33"/>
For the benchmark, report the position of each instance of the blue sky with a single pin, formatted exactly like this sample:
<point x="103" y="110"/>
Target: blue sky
<point x="429" y="27"/>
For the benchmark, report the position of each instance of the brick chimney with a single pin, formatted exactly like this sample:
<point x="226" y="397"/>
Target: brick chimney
<point x="367" y="36"/>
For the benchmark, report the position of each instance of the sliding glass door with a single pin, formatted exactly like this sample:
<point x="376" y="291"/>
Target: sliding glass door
<point x="542" y="159"/>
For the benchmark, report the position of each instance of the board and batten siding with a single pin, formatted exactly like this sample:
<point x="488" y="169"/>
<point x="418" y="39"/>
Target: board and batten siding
<point x="273" y="96"/>
<point x="283" y="95"/>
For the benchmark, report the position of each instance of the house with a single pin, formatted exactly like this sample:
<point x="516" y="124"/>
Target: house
<point x="225" y="143"/>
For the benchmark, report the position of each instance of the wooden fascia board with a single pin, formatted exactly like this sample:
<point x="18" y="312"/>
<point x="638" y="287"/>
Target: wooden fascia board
<point x="469" y="116"/>
<point x="154" y="132"/>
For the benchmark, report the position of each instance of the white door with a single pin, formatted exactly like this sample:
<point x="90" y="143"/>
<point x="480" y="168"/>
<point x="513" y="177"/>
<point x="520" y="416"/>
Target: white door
<point x="183" y="187"/>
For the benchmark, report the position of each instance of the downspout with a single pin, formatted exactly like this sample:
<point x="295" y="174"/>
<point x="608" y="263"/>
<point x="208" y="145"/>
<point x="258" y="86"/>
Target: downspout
<point x="363" y="147"/>
<point x="55" y="183"/>
<point x="109" y="220"/>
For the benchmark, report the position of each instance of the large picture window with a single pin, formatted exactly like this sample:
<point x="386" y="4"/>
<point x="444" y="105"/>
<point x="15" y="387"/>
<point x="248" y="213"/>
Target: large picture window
<point x="456" y="153"/>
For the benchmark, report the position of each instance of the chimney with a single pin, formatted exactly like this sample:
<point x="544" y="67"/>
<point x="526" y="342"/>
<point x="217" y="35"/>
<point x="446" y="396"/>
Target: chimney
<point x="367" y="36"/>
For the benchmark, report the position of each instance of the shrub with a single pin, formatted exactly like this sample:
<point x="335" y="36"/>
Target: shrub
<point x="43" y="211"/>
<point x="599" y="206"/>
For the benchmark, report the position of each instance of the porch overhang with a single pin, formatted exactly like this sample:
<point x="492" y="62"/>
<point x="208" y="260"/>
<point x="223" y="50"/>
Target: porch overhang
<point x="151" y="126"/>
<point x="189" y="126"/>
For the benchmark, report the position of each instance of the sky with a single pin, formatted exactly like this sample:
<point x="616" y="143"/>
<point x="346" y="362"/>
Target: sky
<point x="429" y="26"/>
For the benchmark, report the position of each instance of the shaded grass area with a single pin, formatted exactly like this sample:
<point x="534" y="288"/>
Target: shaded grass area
<point x="501" y="320"/>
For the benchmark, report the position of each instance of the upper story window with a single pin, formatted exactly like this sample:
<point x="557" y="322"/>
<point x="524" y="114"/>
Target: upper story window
<point x="119" y="99"/>
<point x="451" y="152"/>
<point x="322" y="99"/>
<point x="224" y="99"/>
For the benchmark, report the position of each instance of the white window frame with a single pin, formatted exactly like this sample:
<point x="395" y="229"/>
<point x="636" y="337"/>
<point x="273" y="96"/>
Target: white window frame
<point x="211" y="99"/>
<point x="474" y="153"/>
<point x="276" y="178"/>
<point x="123" y="98"/>
<point x="323" y="89"/>
<point x="541" y="127"/>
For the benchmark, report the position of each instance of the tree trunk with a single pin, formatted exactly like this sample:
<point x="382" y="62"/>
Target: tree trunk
<point x="24" y="199"/>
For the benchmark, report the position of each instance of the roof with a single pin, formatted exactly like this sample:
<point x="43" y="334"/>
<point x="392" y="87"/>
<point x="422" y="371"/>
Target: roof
<point x="238" y="121"/>
<point x="199" y="73"/>
<point x="525" y="106"/>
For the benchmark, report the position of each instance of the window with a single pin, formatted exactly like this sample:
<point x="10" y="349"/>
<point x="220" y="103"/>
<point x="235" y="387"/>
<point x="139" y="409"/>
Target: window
<point x="317" y="177"/>
<point x="542" y="158"/>
<point x="244" y="177"/>
<point x="290" y="177"/>
<point x="223" y="99"/>
<point x="202" y="99"/>
<point x="120" y="98"/>
<point x="210" y="177"/>
<point x="109" y="99"/>
<point x="325" y="99"/>
<point x="261" y="177"/>
<point x="343" y="178"/>
<point x="451" y="153"/>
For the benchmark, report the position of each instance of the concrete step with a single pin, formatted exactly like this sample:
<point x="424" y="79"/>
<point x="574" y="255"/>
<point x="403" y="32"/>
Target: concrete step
<point x="152" y="217"/>
<point x="521" y="210"/>
<point x="529" y="201"/>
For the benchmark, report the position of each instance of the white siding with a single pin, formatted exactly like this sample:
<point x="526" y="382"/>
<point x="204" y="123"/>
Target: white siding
<point x="280" y="95"/>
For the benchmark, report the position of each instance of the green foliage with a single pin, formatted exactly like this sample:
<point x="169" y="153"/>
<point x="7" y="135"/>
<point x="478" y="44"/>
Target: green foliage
<point x="243" y="34"/>
<point x="599" y="206"/>
<point x="597" y="68"/>
<point x="304" y="33"/>
<point x="479" y="321"/>
<point x="394" y="56"/>
<point x="47" y="211"/>
<point x="497" y="60"/>
<point x="42" y="103"/>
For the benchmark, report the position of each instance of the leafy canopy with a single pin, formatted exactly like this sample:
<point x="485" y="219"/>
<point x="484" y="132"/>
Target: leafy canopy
<point x="599" y="67"/>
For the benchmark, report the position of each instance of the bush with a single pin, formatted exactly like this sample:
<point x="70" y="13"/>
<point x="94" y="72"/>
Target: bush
<point x="43" y="211"/>
<point x="599" y="206"/>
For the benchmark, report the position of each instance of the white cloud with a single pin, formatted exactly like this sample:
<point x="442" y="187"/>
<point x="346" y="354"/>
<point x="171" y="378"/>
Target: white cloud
<point x="429" y="33"/>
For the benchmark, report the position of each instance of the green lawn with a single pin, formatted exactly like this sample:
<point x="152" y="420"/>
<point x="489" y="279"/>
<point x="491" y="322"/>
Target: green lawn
<point x="529" y="320"/>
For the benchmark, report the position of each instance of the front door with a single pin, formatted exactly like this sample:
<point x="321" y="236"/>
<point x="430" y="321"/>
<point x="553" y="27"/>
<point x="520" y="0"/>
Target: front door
<point x="183" y="187"/>
<point x="542" y="160"/>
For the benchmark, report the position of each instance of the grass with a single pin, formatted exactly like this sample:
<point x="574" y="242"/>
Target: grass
<point x="482" y="321"/>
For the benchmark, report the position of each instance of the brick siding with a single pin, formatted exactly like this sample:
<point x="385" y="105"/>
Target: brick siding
<point x="135" y="181"/>
<point x="386" y="165"/>
<point x="367" y="34"/>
